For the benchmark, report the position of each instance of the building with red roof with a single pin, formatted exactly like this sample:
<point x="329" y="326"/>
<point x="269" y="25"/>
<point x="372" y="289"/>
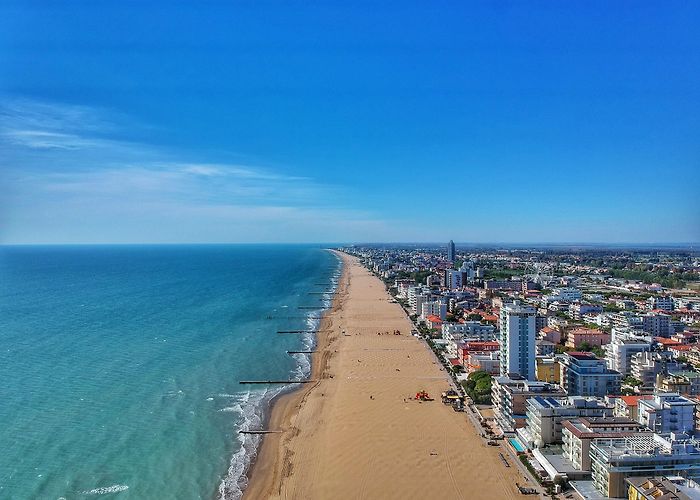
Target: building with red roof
<point x="626" y="406"/>
<point x="667" y="342"/>
<point x="550" y="334"/>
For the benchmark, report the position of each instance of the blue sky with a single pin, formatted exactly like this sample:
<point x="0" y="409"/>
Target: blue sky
<point x="349" y="121"/>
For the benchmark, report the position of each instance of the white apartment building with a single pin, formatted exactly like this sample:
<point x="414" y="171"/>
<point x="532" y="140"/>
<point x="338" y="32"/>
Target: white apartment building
<point x="484" y="361"/>
<point x="646" y="365"/>
<point x="454" y="279"/>
<point x="662" y="302"/>
<point x="622" y="347"/>
<point x="545" y="416"/>
<point x="613" y="460"/>
<point x="469" y="330"/>
<point x="402" y="287"/>
<point x="657" y="325"/>
<point x="457" y="278"/>
<point x="667" y="413"/>
<point x="416" y="296"/>
<point x="518" y="348"/>
<point x="578" y="434"/>
<point x="567" y="294"/>
<point x="625" y="319"/>
<point x="687" y="303"/>
<point x="433" y="308"/>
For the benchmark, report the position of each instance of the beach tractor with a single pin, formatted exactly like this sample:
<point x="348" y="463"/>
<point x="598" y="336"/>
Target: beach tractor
<point x="451" y="397"/>
<point x="448" y="397"/>
<point x="423" y="396"/>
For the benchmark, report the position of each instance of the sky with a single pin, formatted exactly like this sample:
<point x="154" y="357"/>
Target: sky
<point x="232" y="121"/>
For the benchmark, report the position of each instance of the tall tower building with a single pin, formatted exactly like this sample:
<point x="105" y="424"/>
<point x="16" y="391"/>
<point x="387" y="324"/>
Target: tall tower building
<point x="518" y="340"/>
<point x="451" y="254"/>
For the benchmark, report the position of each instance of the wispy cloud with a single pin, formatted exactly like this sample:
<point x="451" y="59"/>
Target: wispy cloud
<point x="66" y="118"/>
<point x="45" y="139"/>
<point x="240" y="171"/>
<point x="67" y="174"/>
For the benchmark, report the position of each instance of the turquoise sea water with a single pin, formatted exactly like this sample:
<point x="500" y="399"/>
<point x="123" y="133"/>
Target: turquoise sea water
<point x="119" y="365"/>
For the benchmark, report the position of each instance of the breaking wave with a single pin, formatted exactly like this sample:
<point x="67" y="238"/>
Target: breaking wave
<point x="252" y="407"/>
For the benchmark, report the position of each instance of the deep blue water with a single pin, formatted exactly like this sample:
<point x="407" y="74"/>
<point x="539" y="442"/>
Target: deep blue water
<point x="119" y="365"/>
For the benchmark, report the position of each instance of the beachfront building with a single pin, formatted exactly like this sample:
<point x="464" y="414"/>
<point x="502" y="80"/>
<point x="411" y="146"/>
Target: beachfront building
<point x="468" y="331"/>
<point x="584" y="374"/>
<point x="545" y="416"/>
<point x="434" y="308"/>
<point x="416" y="296"/>
<point x="509" y="397"/>
<point x="402" y="286"/>
<point x="464" y="349"/>
<point x="484" y="361"/>
<point x="433" y="322"/>
<point x="615" y="459"/>
<point x="667" y="413"/>
<point x="457" y="334"/>
<point x="517" y="324"/>
<point x="579" y="433"/>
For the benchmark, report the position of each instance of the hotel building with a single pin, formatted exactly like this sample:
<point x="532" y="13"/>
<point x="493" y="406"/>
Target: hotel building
<point x="517" y="324"/>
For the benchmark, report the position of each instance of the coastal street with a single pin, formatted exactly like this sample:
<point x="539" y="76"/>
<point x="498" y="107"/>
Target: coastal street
<point x="358" y="432"/>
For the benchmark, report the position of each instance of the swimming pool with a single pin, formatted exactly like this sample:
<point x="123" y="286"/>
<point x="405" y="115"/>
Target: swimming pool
<point x="516" y="444"/>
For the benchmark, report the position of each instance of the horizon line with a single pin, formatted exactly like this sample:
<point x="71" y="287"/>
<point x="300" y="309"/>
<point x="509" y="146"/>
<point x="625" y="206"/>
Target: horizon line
<point x="343" y="243"/>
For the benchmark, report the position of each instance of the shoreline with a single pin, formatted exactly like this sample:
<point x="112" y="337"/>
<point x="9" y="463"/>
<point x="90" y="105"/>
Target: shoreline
<point x="358" y="431"/>
<point x="281" y="408"/>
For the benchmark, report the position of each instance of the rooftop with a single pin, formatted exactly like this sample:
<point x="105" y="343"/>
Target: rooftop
<point x="604" y="427"/>
<point x="582" y="355"/>
<point x="634" y="400"/>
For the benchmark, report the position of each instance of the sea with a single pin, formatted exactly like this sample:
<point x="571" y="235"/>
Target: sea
<point x="120" y="366"/>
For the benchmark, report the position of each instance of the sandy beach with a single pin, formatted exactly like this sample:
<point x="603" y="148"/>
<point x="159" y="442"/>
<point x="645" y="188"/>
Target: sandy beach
<point x="356" y="434"/>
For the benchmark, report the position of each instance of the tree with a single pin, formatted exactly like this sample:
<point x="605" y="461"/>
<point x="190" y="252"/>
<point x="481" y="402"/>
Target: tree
<point x="586" y="347"/>
<point x="478" y="387"/>
<point x="631" y="381"/>
<point x="598" y="351"/>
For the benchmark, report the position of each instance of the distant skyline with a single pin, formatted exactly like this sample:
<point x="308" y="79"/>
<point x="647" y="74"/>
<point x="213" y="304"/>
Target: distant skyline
<point x="556" y="122"/>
